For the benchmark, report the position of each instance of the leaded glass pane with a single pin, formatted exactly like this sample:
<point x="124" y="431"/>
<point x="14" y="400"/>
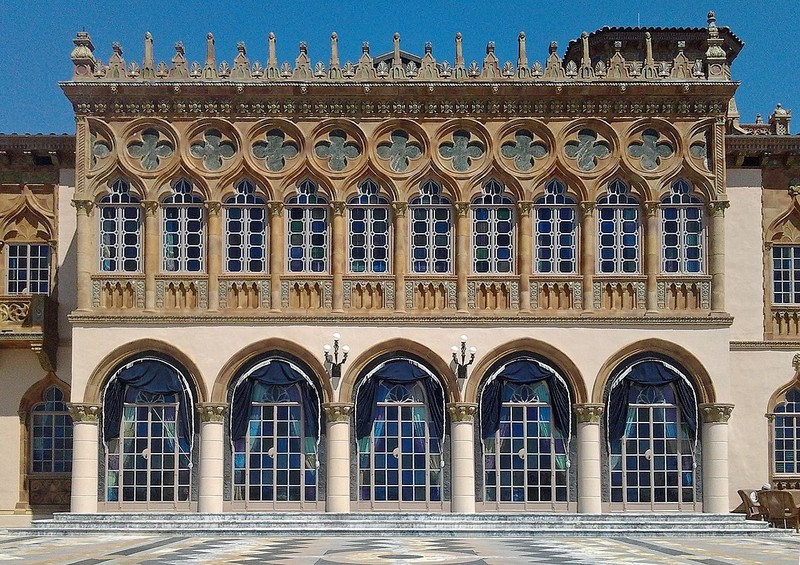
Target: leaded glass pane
<point x="51" y="434"/>
<point x="431" y="231"/>
<point x="183" y="230"/>
<point x="369" y="230"/>
<point x="307" y="230"/>
<point x="555" y="231"/>
<point x="786" y="435"/>
<point x="493" y="231"/>
<point x="618" y="231"/>
<point x="786" y="274"/>
<point x="682" y="231"/>
<point x="245" y="231"/>
<point x="120" y="230"/>
<point x="28" y="268"/>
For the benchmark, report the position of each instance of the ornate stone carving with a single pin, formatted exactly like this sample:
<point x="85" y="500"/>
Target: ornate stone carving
<point x="338" y="411"/>
<point x="212" y="412"/>
<point x="339" y="207"/>
<point x="462" y="411"/>
<point x="461" y="150"/>
<point x="151" y="150"/>
<point x="399" y="208"/>
<point x="150" y="207"/>
<point x="589" y="413"/>
<point x="524" y="208"/>
<point x="650" y="150"/>
<point x="400" y="151"/>
<point x="337" y="150"/>
<point x="587" y="149"/>
<point x="83" y="206"/>
<point x="81" y="412"/>
<point x="587" y="207"/>
<point x="275" y="208"/>
<point x="523" y="150"/>
<point x="462" y="208"/>
<point x="275" y="150"/>
<point x="100" y="149"/>
<point x="717" y="207"/>
<point x="214" y="207"/>
<point x="716" y="413"/>
<point x="651" y="208"/>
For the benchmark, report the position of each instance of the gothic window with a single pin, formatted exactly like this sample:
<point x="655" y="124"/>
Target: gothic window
<point x="786" y="274"/>
<point x="307" y="230"/>
<point x="493" y="230"/>
<point x="619" y="231"/>
<point x="370" y="230"/>
<point x="51" y="434"/>
<point x="120" y="230"/>
<point x="431" y="230"/>
<point x="245" y="230"/>
<point x="183" y="230"/>
<point x="556" y="231"/>
<point x="682" y="231"/>
<point x="28" y="268"/>
<point x="786" y="435"/>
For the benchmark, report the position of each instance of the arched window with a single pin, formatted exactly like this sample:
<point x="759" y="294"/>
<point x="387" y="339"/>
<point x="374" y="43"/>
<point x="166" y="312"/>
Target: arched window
<point x="682" y="231"/>
<point x="370" y="230"/>
<point x="307" y="230"/>
<point x="493" y="230"/>
<point x="120" y="230"/>
<point x="619" y="231"/>
<point x="785" y="432"/>
<point x="245" y="230"/>
<point x="51" y="434"/>
<point x="556" y="231"/>
<point x="275" y="433"/>
<point x="431" y="230"/>
<point x="183" y="247"/>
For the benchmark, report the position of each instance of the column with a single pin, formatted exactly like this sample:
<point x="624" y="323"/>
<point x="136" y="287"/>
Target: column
<point x="214" y="253"/>
<point x="589" y="469"/>
<point x="525" y="258"/>
<point x="588" y="248"/>
<point x="462" y="457"/>
<point x="212" y="449"/>
<point x="152" y="246"/>
<point x="652" y="246"/>
<point x="338" y="431"/>
<point x="86" y="254"/>
<point x="463" y="254"/>
<point x="85" y="419"/>
<point x="715" y="457"/>
<point x="716" y="255"/>
<point x="277" y="251"/>
<point x="401" y="235"/>
<point x="338" y="254"/>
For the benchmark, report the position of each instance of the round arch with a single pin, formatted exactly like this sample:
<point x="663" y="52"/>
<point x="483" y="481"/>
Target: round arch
<point x="399" y="345"/>
<point x="563" y="363"/>
<point x="229" y="371"/>
<point x="704" y="386"/>
<point x="92" y="394"/>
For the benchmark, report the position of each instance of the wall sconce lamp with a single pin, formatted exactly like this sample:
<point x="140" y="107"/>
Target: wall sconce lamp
<point x="460" y="359"/>
<point x="332" y="360"/>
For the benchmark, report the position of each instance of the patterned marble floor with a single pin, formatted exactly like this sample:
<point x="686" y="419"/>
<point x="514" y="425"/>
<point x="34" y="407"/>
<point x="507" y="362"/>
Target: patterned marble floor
<point x="91" y="550"/>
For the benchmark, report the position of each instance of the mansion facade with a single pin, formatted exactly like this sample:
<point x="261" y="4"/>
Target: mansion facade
<point x="402" y="284"/>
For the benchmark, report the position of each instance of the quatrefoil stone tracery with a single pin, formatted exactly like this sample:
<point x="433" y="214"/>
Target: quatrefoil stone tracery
<point x="151" y="149"/>
<point x="337" y="150"/>
<point x="212" y="150"/>
<point x="650" y="150"/>
<point x="100" y="149"/>
<point x="461" y="150"/>
<point x="587" y="149"/>
<point x="275" y="150"/>
<point x="524" y="150"/>
<point x="399" y="152"/>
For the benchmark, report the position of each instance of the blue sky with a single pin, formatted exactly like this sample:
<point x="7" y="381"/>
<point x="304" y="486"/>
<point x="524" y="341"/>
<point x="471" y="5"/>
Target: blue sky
<point x="37" y="38"/>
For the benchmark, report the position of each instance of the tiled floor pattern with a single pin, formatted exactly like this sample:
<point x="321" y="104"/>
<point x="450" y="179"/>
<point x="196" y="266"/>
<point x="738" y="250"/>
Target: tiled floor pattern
<point x="91" y="550"/>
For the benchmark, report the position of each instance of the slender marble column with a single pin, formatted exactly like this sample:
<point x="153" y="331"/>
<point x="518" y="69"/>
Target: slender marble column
<point x="85" y="420"/>
<point x="214" y="253"/>
<point x="400" y="259"/>
<point x="715" y="457"/>
<point x="589" y="467"/>
<point x="525" y="258"/>
<point x="716" y="255"/>
<point x="338" y="254"/>
<point x="86" y="253"/>
<point x="338" y="492"/>
<point x="277" y="250"/>
<point x="462" y="418"/>
<point x="652" y="245"/>
<point x="212" y="450"/>
<point x="463" y="253"/>
<point x="152" y="253"/>
<point x="587" y="251"/>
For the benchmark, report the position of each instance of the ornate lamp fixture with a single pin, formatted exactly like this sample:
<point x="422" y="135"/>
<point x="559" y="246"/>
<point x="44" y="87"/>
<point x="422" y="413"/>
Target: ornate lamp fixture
<point x="333" y="362"/>
<point x="461" y="360"/>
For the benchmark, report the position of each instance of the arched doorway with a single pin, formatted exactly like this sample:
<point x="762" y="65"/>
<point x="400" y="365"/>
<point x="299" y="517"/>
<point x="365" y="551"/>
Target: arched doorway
<point x="525" y="431"/>
<point x="148" y="434"/>
<point x="275" y="435"/>
<point x="399" y="415"/>
<point x="652" y="436"/>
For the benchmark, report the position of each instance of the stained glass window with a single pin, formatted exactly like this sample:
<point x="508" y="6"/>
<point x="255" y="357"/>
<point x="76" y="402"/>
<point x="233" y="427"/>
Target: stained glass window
<point x="431" y="230"/>
<point x="555" y="231"/>
<point x="493" y="230"/>
<point x="307" y="230"/>
<point x="245" y="230"/>
<point x="120" y="230"/>
<point x="51" y="434"/>
<point x="682" y="231"/>
<point x="370" y="230"/>
<point x="619" y="231"/>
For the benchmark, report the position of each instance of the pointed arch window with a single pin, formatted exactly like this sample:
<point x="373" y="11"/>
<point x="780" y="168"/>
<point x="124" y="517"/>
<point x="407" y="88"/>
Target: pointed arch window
<point x="183" y="229"/>
<point x="307" y="230"/>
<point x="431" y="230"/>
<point x="682" y="231"/>
<point x="619" y="229"/>
<point x="120" y="230"/>
<point x="556" y="230"/>
<point x="493" y="230"/>
<point x="51" y="434"/>
<point x="370" y="230"/>
<point x="245" y="230"/>
<point x="785" y="432"/>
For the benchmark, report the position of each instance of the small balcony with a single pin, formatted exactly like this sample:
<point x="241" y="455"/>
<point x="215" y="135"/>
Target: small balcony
<point x="29" y="321"/>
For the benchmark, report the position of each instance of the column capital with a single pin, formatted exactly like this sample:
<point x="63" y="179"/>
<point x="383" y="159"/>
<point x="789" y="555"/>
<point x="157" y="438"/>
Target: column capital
<point x="339" y="207"/>
<point x="399" y="208"/>
<point x="214" y="207"/>
<point x="651" y="207"/>
<point x="587" y="207"/>
<point x="150" y="207"/>
<point x="462" y="208"/>
<point x="83" y="206"/>
<point x="524" y="208"/>
<point x="211" y="412"/>
<point x="715" y="413"/>
<point x="84" y="412"/>
<point x="462" y="411"/>
<point x="275" y="208"/>
<point x="338" y="411"/>
<point x="589" y="413"/>
<point x="717" y="207"/>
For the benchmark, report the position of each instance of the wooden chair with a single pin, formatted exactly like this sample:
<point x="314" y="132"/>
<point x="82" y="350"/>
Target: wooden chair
<point x="752" y="509"/>
<point x="780" y="508"/>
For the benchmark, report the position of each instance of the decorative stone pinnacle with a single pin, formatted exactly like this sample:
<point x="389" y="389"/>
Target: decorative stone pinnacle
<point x="712" y="18"/>
<point x="116" y="48"/>
<point x="179" y="48"/>
<point x="365" y="48"/>
<point x="241" y="48"/>
<point x="553" y="47"/>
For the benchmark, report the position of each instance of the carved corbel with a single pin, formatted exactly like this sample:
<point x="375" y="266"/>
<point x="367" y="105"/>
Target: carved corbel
<point x="587" y="207"/>
<point x="717" y="207"/>
<point x="651" y="208"/>
<point x="214" y="207"/>
<point x="45" y="355"/>
<point x="525" y="208"/>
<point x="83" y="206"/>
<point x="150" y="207"/>
<point x="399" y="208"/>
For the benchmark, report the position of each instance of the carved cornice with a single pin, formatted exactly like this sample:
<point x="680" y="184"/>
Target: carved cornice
<point x="462" y="411"/>
<point x="212" y="412"/>
<point x="716" y="413"/>
<point x="338" y="411"/>
<point x="765" y="345"/>
<point x="84" y="412"/>
<point x="589" y="413"/>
